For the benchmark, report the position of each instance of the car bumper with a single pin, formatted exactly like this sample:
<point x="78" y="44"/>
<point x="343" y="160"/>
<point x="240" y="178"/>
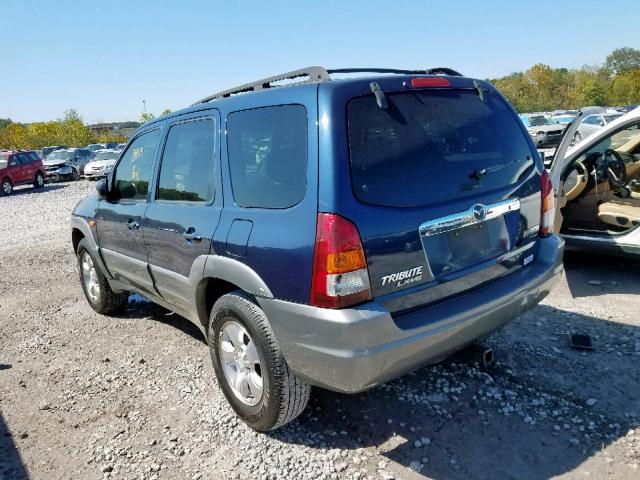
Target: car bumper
<point x="57" y="177"/>
<point x="352" y="350"/>
<point x="97" y="174"/>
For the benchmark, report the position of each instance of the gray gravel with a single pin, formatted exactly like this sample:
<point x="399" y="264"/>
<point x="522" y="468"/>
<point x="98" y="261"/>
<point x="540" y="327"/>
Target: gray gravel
<point x="86" y="396"/>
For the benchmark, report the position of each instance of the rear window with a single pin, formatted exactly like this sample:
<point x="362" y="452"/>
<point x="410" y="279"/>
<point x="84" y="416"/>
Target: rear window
<point x="267" y="149"/>
<point x="431" y="146"/>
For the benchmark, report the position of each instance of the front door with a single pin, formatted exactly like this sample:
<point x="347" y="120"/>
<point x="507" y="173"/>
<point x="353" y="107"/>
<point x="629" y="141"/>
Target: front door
<point x="119" y="219"/>
<point x="185" y="207"/>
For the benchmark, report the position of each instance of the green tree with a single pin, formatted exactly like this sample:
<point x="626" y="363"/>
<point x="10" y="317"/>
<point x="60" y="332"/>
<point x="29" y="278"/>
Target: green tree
<point x="622" y="60"/>
<point x="4" y="122"/>
<point x="13" y="136"/>
<point x="146" y="117"/>
<point x="592" y="93"/>
<point x="166" y="111"/>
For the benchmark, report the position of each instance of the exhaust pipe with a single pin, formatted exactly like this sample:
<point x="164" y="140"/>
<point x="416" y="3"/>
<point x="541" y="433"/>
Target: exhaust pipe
<point x="480" y="354"/>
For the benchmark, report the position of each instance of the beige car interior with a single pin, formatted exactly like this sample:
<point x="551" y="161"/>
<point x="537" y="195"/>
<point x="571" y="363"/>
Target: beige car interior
<point x="592" y="202"/>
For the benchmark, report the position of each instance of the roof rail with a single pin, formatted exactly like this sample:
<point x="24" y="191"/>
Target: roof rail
<point x="316" y="74"/>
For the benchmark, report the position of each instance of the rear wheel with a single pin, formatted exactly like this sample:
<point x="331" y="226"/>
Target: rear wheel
<point x="6" y="187"/>
<point x="38" y="182"/>
<point x="577" y="137"/>
<point x="95" y="285"/>
<point x="250" y="367"/>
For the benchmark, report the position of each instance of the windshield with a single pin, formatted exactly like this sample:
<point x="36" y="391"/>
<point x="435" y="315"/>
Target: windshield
<point x="539" y="121"/>
<point x="610" y="118"/>
<point x="106" y="156"/>
<point x="427" y="145"/>
<point x="60" y="155"/>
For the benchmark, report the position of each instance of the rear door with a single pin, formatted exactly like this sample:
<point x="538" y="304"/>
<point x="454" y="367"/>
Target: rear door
<point x="27" y="168"/>
<point x="186" y="203"/>
<point x="119" y="219"/>
<point x="447" y="189"/>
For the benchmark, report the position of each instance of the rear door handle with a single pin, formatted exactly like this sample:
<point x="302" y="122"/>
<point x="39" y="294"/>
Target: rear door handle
<point x="133" y="225"/>
<point x="191" y="235"/>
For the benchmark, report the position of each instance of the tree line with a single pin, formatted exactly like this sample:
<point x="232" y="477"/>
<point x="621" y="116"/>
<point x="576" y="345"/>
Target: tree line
<point x="542" y="88"/>
<point x="69" y="130"/>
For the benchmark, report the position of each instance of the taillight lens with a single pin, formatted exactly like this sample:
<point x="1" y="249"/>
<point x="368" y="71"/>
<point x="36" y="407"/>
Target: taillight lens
<point x="547" y="207"/>
<point x="340" y="275"/>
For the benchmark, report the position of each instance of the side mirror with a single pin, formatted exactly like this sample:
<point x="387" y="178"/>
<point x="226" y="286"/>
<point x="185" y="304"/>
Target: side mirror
<point x="102" y="188"/>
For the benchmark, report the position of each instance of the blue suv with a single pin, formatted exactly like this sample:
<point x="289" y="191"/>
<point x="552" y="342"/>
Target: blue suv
<point x="334" y="228"/>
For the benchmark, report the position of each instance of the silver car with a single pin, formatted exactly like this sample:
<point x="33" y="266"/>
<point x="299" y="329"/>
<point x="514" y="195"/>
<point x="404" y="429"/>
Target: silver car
<point x="102" y="164"/>
<point x="594" y="122"/>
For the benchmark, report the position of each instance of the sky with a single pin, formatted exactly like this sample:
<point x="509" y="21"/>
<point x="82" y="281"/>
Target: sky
<point x="104" y="58"/>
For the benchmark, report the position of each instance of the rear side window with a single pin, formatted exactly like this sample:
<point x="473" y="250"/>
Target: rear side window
<point x="24" y="159"/>
<point x="267" y="149"/>
<point x="431" y="146"/>
<point x="132" y="175"/>
<point x="187" y="169"/>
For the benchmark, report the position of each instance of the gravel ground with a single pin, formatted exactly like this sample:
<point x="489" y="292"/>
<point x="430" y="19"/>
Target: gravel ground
<point x="86" y="396"/>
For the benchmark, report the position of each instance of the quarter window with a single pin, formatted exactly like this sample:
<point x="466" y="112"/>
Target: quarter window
<point x="187" y="170"/>
<point x="131" y="179"/>
<point x="267" y="149"/>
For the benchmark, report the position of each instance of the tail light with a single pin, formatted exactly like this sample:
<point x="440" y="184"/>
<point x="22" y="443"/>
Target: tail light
<point x="547" y="207"/>
<point x="340" y="275"/>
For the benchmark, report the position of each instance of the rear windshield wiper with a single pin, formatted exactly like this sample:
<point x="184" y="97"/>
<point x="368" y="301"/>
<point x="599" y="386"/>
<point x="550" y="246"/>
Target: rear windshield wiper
<point x="381" y="98"/>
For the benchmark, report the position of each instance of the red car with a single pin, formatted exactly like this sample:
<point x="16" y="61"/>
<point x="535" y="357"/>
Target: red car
<point x="20" y="168"/>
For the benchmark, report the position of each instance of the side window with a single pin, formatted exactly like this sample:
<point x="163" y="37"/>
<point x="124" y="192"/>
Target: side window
<point x="24" y="159"/>
<point x="13" y="161"/>
<point x="34" y="156"/>
<point x="131" y="179"/>
<point x="267" y="149"/>
<point x="187" y="168"/>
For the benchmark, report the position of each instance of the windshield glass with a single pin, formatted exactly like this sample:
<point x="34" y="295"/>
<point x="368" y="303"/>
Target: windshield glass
<point x="60" y="155"/>
<point x="106" y="156"/>
<point x="539" y="121"/>
<point x="426" y="146"/>
<point x="611" y="118"/>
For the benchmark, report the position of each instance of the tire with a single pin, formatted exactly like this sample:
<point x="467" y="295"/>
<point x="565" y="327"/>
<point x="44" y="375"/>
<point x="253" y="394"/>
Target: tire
<point x="283" y="396"/>
<point x="75" y="175"/>
<point x="38" y="181"/>
<point x="6" y="187"/>
<point x="577" y="138"/>
<point x="102" y="299"/>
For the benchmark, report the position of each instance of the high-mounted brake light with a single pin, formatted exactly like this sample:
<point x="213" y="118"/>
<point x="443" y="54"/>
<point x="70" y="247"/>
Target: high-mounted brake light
<point x="427" y="82"/>
<point x="340" y="274"/>
<point x="547" y="207"/>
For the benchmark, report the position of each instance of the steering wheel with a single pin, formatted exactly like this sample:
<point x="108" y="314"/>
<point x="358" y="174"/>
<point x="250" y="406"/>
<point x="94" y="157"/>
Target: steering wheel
<point x="616" y="169"/>
<point x="576" y="181"/>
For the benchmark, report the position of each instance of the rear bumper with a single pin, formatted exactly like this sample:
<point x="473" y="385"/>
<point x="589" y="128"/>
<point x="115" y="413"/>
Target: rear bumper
<point x="354" y="349"/>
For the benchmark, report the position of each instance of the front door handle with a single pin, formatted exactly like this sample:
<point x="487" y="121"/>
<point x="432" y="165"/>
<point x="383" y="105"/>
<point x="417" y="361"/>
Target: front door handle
<point x="191" y="235"/>
<point x="133" y="225"/>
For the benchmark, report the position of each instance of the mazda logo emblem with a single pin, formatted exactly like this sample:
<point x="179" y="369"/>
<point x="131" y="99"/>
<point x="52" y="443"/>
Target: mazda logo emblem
<point x="479" y="212"/>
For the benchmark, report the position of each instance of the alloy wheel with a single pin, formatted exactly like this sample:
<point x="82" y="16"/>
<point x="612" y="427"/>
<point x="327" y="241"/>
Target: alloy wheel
<point x="90" y="277"/>
<point x="241" y="363"/>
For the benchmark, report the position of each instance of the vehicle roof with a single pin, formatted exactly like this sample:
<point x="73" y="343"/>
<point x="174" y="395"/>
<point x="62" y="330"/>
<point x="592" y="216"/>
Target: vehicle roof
<point x="241" y="101"/>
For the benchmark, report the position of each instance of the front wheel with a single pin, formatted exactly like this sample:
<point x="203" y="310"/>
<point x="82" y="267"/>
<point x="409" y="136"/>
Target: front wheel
<point x="38" y="182"/>
<point x="250" y="367"/>
<point x="95" y="285"/>
<point x="577" y="138"/>
<point x="6" y="187"/>
<point x="75" y="175"/>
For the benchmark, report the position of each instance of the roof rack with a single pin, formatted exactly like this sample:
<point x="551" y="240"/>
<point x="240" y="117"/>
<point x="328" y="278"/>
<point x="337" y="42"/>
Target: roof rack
<point x="317" y="74"/>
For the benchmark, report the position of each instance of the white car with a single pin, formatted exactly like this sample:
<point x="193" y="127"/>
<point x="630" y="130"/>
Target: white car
<point x="102" y="164"/>
<point x="594" y="122"/>
<point x="597" y="187"/>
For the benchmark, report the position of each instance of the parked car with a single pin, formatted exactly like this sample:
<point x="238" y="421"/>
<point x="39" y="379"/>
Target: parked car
<point x="111" y="145"/>
<point x="597" y="185"/>
<point x="47" y="150"/>
<point x="94" y="147"/>
<point x="22" y="167"/>
<point x="562" y="119"/>
<point x="543" y="131"/>
<point x="120" y="146"/>
<point x="291" y="238"/>
<point x="102" y="164"/>
<point x="66" y="164"/>
<point x="594" y="122"/>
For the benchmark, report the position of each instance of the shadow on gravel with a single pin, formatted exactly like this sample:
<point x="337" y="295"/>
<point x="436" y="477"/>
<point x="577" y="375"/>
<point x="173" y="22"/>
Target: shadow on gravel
<point x="28" y="190"/>
<point x="591" y="275"/>
<point x="140" y="306"/>
<point x="11" y="466"/>
<point x="458" y="410"/>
